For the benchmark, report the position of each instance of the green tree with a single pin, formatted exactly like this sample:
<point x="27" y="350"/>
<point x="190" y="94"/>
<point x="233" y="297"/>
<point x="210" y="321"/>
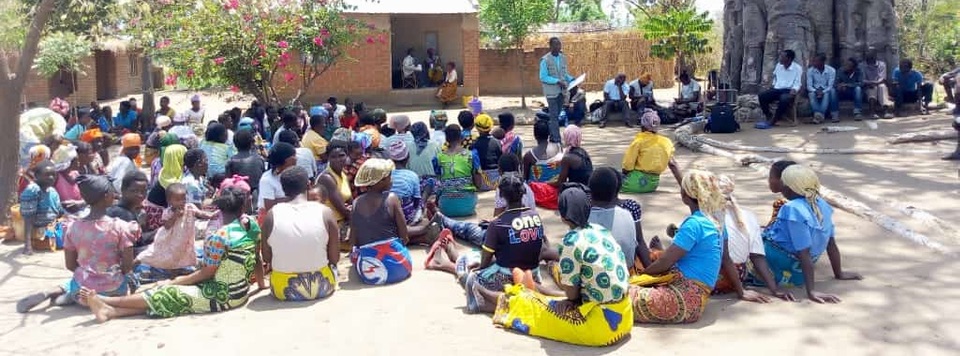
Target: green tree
<point x="930" y="33"/>
<point x="678" y="34"/>
<point x="249" y="45"/>
<point x="510" y="22"/>
<point x="579" y="11"/>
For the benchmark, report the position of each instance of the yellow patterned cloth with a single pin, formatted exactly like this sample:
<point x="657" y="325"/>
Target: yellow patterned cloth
<point x="303" y="286"/>
<point x="590" y="324"/>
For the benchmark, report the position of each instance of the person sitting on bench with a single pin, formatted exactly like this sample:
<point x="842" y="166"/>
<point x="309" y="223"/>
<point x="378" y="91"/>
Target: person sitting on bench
<point x="688" y="104"/>
<point x="786" y="84"/>
<point x="909" y="87"/>
<point x="615" y="98"/>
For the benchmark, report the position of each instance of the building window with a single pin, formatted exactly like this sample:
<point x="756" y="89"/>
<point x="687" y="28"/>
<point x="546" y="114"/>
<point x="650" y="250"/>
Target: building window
<point x="134" y="65"/>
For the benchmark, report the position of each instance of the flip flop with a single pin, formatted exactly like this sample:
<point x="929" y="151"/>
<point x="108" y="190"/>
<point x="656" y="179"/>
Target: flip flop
<point x="762" y="125"/>
<point x="523" y="278"/>
<point x="436" y="246"/>
<point x="31" y="301"/>
<point x="474" y="299"/>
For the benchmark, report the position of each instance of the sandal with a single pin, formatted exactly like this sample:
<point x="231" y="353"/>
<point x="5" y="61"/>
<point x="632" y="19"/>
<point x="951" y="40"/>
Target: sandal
<point x="439" y="242"/>
<point x="762" y="125"/>
<point x="31" y="301"/>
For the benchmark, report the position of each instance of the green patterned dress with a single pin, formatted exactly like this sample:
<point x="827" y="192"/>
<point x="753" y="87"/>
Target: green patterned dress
<point x="233" y="250"/>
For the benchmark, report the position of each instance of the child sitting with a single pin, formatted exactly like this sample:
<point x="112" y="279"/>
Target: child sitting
<point x="98" y="249"/>
<point x="39" y="204"/>
<point x="487" y="152"/>
<point x="130" y="205"/>
<point x="172" y="253"/>
<point x="466" y="121"/>
<point x="510" y="142"/>
<point x="378" y="227"/>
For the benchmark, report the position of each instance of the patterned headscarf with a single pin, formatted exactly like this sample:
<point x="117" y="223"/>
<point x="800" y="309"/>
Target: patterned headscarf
<point x="400" y="122"/>
<point x="237" y="181"/>
<point x="373" y="171"/>
<point x="804" y="181"/>
<point x="421" y="135"/>
<point x="398" y="151"/>
<point x="342" y="134"/>
<point x="572" y="136"/>
<point x="727" y="186"/>
<point x="705" y="188"/>
<point x="38" y="153"/>
<point x="364" y="139"/>
<point x="62" y="158"/>
<point x="650" y="120"/>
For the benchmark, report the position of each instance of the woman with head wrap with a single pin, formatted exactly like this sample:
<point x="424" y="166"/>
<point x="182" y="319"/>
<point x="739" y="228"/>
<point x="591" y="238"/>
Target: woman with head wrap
<point x="423" y="155"/>
<point x="68" y="169"/>
<point x="401" y="126"/>
<point x="801" y="233"/>
<point x="165" y="140"/>
<point x="681" y="279"/>
<point x="282" y="156"/>
<point x="459" y="177"/>
<point x="171" y="172"/>
<point x="378" y="228"/>
<point x="98" y="248"/>
<point x="647" y="157"/>
<point x="593" y="275"/>
<point x="221" y="282"/>
<point x="127" y="161"/>
<point x="486" y="151"/>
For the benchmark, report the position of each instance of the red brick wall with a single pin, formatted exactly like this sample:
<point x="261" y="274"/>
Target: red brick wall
<point x="38" y="89"/>
<point x="501" y="71"/>
<point x="471" y="56"/>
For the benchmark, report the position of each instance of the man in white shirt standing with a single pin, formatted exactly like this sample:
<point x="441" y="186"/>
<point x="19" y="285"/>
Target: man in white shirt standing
<point x="820" y="81"/>
<point x="615" y="99"/>
<point x="688" y="104"/>
<point x="786" y="84"/>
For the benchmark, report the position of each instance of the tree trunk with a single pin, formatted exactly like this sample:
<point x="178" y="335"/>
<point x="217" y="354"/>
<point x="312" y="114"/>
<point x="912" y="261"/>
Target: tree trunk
<point x="523" y="76"/>
<point x="755" y="31"/>
<point x="149" y="110"/>
<point x="11" y="88"/>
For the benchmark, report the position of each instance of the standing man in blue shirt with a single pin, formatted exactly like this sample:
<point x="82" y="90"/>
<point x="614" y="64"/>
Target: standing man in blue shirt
<point x="615" y="99"/>
<point x="908" y="87"/>
<point x="554" y="77"/>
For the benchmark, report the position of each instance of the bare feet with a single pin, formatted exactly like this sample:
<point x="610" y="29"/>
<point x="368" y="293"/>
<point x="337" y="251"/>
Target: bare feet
<point x="655" y="243"/>
<point x="100" y="310"/>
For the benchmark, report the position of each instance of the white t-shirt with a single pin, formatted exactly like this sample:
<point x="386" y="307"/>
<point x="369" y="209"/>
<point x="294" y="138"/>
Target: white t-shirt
<point x="270" y="187"/>
<point x="743" y="243"/>
<point x="439" y="137"/>
<point x="299" y="237"/>
<point x="689" y="90"/>
<point x="306" y="160"/>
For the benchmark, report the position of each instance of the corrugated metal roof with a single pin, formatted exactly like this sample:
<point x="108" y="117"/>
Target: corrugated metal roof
<point x="413" y="6"/>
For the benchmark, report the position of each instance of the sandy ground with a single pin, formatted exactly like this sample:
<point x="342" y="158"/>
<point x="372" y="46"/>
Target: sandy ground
<point x="907" y="303"/>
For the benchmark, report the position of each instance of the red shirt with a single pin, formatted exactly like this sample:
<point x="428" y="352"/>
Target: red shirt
<point x="349" y="122"/>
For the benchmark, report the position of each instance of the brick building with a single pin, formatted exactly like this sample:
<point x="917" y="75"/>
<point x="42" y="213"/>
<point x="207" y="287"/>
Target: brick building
<point x="449" y="26"/>
<point x="108" y="74"/>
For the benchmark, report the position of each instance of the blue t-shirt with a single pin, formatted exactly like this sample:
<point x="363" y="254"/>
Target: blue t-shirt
<point x="701" y="239"/>
<point x="41" y="205"/>
<point x="908" y="81"/>
<point x="125" y="121"/>
<point x="797" y="227"/>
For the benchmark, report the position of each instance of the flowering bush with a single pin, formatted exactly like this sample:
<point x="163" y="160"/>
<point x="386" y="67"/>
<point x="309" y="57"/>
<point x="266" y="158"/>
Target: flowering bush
<point x="255" y="46"/>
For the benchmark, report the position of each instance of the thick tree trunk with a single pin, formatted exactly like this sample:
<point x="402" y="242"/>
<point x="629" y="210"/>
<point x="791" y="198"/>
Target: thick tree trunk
<point x="11" y="87"/>
<point x="146" y="85"/>
<point x="755" y="31"/>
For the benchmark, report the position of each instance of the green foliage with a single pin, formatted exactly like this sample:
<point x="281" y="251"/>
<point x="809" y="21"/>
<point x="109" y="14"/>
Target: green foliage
<point x="251" y="45"/>
<point x="580" y="10"/>
<point x="12" y="25"/>
<point x="710" y="59"/>
<point x="90" y="18"/>
<point x="61" y="51"/>
<point x="678" y="33"/>
<point x="930" y="33"/>
<point x="509" y="22"/>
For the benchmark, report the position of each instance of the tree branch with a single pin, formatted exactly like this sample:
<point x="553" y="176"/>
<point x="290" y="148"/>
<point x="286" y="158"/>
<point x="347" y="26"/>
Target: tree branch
<point x="31" y="43"/>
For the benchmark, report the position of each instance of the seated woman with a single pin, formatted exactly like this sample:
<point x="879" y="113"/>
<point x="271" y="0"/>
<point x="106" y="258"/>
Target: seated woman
<point x="217" y="149"/>
<point x="681" y="279"/>
<point x="776" y="186"/>
<point x="593" y="276"/>
<point x="67" y="164"/>
<point x="486" y="154"/>
<point x="300" y="243"/>
<point x="423" y="158"/>
<point x="221" y="283"/>
<point x="378" y="228"/>
<point x="541" y="164"/>
<point x="575" y="166"/>
<point x="647" y="157"/>
<point x="606" y="211"/>
<point x="406" y="185"/>
<point x="457" y="196"/>
<point x="339" y="197"/>
<point x="801" y="233"/>
<point x="448" y="90"/>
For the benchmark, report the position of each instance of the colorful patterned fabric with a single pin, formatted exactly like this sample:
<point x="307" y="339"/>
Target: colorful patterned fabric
<point x="41" y="205"/>
<point x="145" y="274"/>
<point x="590" y="324"/>
<point x="678" y="301"/>
<point x="233" y="251"/>
<point x="591" y="259"/>
<point x="382" y="262"/>
<point x="784" y="265"/>
<point x="724" y="285"/>
<point x="99" y="245"/>
<point x="303" y="286"/>
<point x="173" y="248"/>
<point x="489" y="179"/>
<point x="640" y="182"/>
<point x="457" y="195"/>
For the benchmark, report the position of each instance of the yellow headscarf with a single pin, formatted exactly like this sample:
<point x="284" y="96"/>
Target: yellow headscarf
<point x="705" y="188"/>
<point x="172" y="170"/>
<point x="373" y="171"/>
<point x="726" y="187"/>
<point x="804" y="181"/>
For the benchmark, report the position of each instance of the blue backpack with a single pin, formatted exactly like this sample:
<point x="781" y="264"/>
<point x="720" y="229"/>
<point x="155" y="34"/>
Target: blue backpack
<point x="722" y="120"/>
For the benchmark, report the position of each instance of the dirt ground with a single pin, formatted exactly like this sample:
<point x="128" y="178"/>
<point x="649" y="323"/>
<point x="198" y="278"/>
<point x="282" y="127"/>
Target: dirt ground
<point x="907" y="303"/>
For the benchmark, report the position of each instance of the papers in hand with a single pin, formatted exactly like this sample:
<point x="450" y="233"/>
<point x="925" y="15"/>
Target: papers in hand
<point x="579" y="80"/>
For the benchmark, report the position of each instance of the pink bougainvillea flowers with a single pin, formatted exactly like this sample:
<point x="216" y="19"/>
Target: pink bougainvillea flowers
<point x="318" y="41"/>
<point x="234" y="88"/>
<point x="283" y="44"/>
<point x="219" y="60"/>
<point x="289" y="77"/>
<point x="190" y="73"/>
<point x="370" y="40"/>
<point x="171" y="80"/>
<point x="231" y="5"/>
